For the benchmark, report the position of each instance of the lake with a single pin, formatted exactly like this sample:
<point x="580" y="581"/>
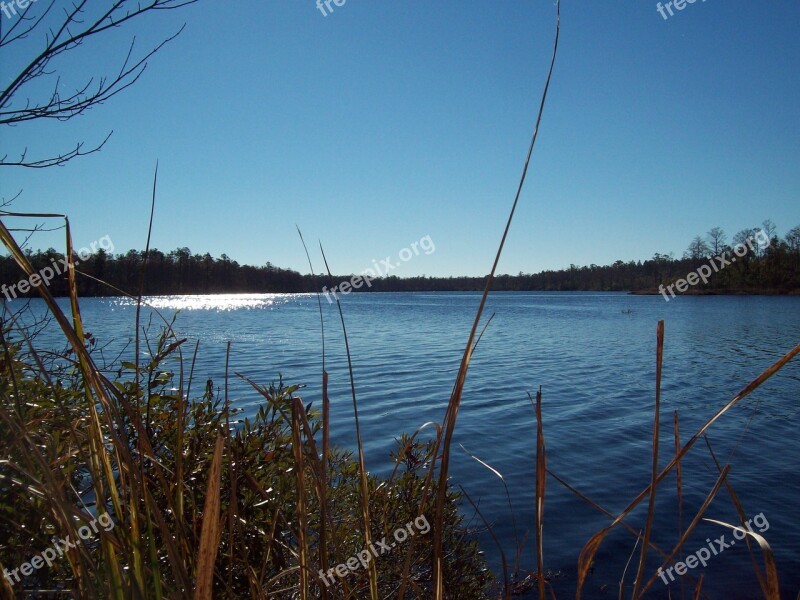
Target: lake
<point x="593" y="356"/>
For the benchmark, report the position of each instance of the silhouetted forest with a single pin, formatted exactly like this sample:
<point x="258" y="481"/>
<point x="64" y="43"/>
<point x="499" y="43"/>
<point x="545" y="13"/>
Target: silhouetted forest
<point x="765" y="268"/>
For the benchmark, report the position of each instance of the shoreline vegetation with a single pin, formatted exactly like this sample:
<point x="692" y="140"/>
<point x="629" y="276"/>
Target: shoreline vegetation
<point x="201" y="502"/>
<point x="770" y="270"/>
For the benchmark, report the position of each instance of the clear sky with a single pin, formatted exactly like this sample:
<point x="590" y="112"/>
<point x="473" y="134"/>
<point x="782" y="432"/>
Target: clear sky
<point x="384" y="122"/>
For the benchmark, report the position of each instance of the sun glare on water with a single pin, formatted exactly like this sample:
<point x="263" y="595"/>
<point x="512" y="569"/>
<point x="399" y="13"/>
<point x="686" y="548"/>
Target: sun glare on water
<point x="218" y="302"/>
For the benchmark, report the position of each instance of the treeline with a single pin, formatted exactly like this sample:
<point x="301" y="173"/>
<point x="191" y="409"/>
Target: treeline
<point x="176" y="272"/>
<point x="772" y="267"/>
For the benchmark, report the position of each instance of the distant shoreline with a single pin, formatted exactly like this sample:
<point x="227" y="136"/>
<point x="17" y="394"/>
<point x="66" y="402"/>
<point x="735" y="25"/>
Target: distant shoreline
<point x="767" y="292"/>
<point x="182" y="273"/>
<point x="653" y="292"/>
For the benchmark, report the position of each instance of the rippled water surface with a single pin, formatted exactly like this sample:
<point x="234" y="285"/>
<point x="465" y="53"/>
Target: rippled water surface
<point x="593" y="356"/>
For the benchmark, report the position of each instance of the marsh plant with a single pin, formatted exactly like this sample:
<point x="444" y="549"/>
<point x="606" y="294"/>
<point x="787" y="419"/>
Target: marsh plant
<point x="200" y="500"/>
<point x="207" y="503"/>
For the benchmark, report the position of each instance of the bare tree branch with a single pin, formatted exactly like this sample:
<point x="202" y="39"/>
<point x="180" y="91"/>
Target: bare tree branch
<point x="71" y="31"/>
<point x="54" y="160"/>
<point x="13" y="35"/>
<point x="9" y="202"/>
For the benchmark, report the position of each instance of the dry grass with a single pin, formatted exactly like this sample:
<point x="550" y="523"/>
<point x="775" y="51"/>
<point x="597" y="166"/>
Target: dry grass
<point x="205" y="508"/>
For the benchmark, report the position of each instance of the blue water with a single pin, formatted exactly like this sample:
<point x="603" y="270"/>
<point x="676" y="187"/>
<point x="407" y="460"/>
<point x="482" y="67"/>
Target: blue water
<point x="593" y="356"/>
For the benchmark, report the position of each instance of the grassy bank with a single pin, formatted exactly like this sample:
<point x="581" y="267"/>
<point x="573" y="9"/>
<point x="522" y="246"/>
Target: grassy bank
<point x="134" y="480"/>
<point x="197" y="498"/>
<point x="197" y="502"/>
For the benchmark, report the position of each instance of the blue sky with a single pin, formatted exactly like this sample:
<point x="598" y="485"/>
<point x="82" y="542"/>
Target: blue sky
<point x="385" y="122"/>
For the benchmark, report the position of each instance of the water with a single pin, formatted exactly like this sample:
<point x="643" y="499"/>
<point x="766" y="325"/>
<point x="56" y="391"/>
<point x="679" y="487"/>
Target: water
<point x="594" y="357"/>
